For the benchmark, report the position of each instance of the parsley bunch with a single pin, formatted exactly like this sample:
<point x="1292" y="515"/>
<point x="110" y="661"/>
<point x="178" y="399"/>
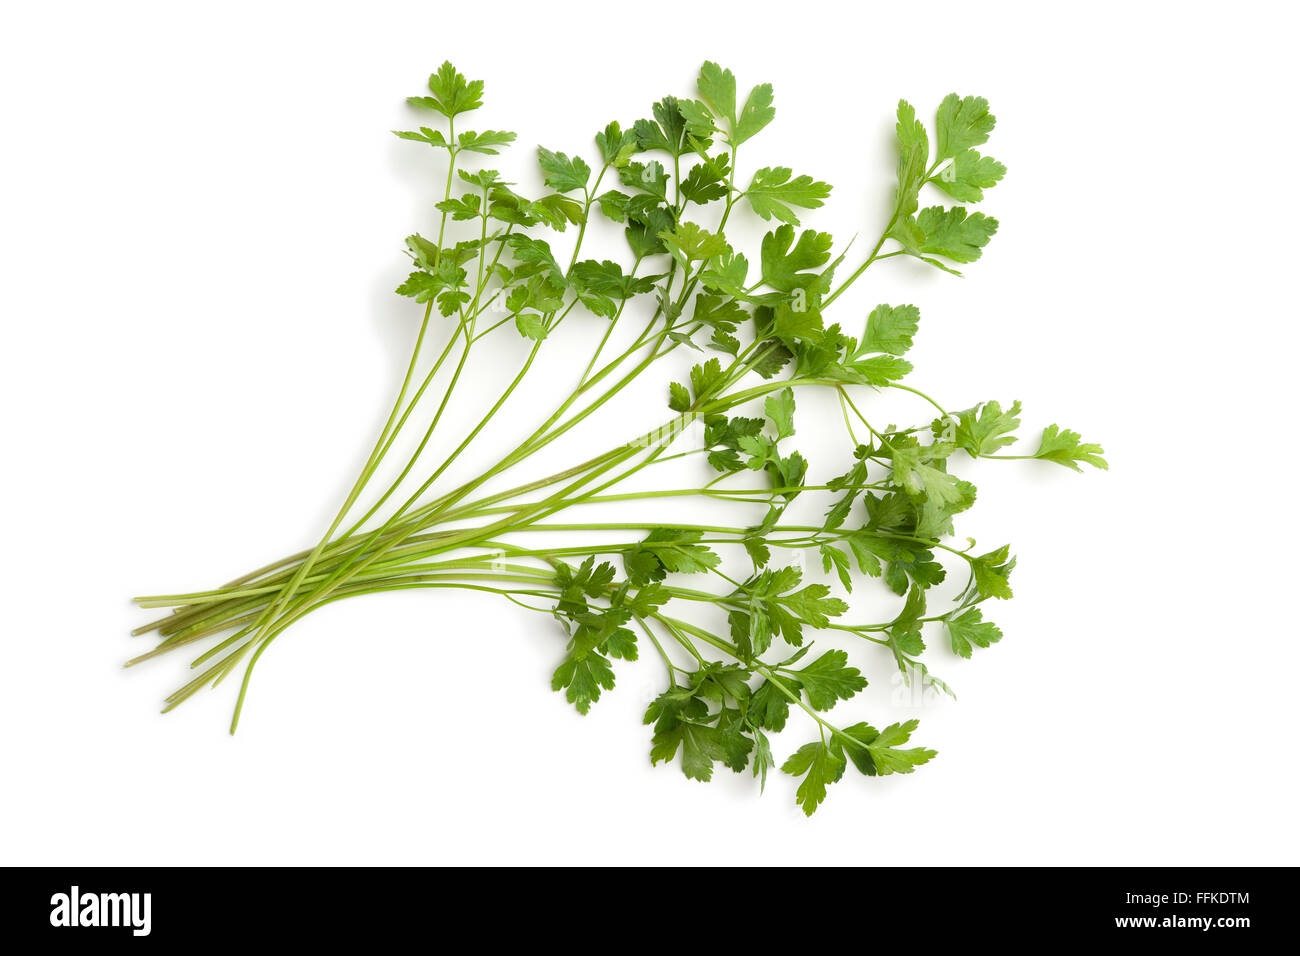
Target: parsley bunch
<point x="672" y="182"/>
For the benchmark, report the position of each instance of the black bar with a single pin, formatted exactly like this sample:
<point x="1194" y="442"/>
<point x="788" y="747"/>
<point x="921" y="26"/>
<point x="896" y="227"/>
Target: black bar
<point x="239" y="906"/>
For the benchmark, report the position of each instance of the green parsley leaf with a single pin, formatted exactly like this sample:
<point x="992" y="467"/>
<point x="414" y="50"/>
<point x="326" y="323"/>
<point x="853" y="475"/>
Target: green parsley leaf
<point x="667" y="131"/>
<point x="830" y="679"/>
<point x="877" y="753"/>
<point x="961" y="124"/>
<point x="705" y="377"/>
<point x="969" y="628"/>
<point x="779" y="409"/>
<point x="890" y="329"/>
<point x="913" y="155"/>
<point x="563" y="174"/>
<point x="772" y="192"/>
<point x="968" y="175"/>
<point x="690" y="243"/>
<point x="707" y="180"/>
<point x="786" y="268"/>
<point x="769" y="706"/>
<point x="665" y="550"/>
<point x="489" y="141"/>
<point x="425" y="135"/>
<point x="756" y="114"/>
<point x="985" y="428"/>
<point x="616" y="145"/>
<point x="992" y="572"/>
<point x="820" y="766"/>
<point x="531" y="325"/>
<point x="581" y="678"/>
<point x="887" y="756"/>
<point x="919" y="471"/>
<point x="718" y="89"/>
<point x="953" y="234"/>
<point x="452" y="95"/>
<point x="1065" y="448"/>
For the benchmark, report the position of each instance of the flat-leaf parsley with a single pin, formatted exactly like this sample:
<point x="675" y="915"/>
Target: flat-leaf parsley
<point x="671" y="181"/>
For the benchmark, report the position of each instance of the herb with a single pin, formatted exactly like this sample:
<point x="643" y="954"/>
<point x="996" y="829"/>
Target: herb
<point x="672" y="181"/>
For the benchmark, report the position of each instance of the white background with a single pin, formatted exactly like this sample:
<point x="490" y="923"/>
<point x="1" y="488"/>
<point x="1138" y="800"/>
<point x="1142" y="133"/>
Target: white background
<point x="201" y="228"/>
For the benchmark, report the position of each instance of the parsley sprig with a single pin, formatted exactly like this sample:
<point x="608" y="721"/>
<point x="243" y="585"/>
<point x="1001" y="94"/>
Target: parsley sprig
<point x="671" y="181"/>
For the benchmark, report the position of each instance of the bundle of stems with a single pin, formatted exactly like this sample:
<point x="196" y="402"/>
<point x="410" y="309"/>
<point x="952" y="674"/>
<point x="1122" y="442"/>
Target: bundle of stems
<point x="772" y="340"/>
